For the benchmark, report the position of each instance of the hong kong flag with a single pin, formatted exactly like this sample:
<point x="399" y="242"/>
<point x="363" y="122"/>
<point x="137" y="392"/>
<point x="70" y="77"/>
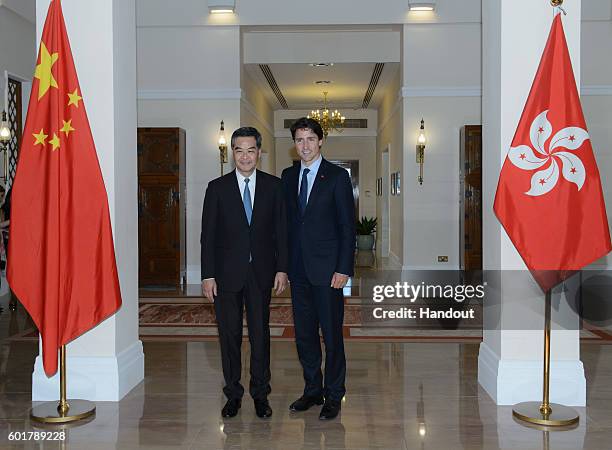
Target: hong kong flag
<point x="549" y="197"/>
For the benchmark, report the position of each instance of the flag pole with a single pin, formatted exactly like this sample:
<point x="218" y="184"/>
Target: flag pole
<point x="66" y="410"/>
<point x="546" y="413"/>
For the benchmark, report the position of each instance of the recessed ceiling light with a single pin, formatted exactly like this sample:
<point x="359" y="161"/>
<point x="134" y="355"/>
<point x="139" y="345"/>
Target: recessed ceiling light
<point x="323" y="82"/>
<point x="221" y="6"/>
<point x="321" y="64"/>
<point x="421" y="6"/>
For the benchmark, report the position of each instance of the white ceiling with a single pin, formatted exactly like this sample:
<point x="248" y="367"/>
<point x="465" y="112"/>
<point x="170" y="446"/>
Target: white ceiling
<point x="349" y="84"/>
<point x="353" y="50"/>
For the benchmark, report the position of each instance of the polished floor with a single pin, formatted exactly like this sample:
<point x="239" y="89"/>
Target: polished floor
<point x="399" y="396"/>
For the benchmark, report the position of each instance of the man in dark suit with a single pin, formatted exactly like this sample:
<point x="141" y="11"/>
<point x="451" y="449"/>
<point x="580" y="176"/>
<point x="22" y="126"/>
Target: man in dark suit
<point x="321" y="224"/>
<point x="244" y="256"/>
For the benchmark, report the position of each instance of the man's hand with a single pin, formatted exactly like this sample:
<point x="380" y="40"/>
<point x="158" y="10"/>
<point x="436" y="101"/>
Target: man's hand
<point x="280" y="282"/>
<point x="209" y="289"/>
<point x="339" y="280"/>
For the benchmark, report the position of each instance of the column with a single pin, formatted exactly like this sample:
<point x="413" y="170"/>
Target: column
<point x="105" y="363"/>
<point x="510" y="358"/>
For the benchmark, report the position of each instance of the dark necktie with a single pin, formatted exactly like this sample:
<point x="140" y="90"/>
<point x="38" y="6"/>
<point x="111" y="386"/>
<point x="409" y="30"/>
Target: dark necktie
<point x="246" y="199"/>
<point x="303" y="195"/>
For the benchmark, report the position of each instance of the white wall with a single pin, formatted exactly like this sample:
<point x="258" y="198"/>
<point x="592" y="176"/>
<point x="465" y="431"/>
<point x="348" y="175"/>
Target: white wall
<point x="441" y="84"/>
<point x="268" y="47"/>
<point x="432" y="209"/>
<point x="17" y="53"/>
<point x="17" y="45"/>
<point x="598" y="116"/>
<point x="256" y="112"/>
<point x="188" y="59"/>
<point x="282" y="12"/>
<point x="17" y="50"/>
<point x="441" y="56"/>
<point x="190" y="78"/>
<point x="25" y="8"/>
<point x="390" y="138"/>
<point x="596" y="74"/>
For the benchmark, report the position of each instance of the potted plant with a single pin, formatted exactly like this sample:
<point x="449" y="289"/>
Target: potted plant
<point x="365" y="233"/>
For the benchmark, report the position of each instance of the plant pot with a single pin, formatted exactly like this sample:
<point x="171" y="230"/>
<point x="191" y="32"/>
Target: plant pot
<point x="365" y="241"/>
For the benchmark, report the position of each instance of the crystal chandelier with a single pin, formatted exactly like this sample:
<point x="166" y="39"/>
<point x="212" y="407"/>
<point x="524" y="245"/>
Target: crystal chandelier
<point x="327" y="119"/>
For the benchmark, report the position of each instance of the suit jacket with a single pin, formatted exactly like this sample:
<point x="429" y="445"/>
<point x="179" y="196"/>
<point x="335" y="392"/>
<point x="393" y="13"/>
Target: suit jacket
<point x="326" y="233"/>
<point x="227" y="240"/>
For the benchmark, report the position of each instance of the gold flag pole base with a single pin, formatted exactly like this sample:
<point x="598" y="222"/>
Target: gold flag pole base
<point x="50" y="412"/>
<point x="545" y="413"/>
<point x="560" y="416"/>
<point x="66" y="410"/>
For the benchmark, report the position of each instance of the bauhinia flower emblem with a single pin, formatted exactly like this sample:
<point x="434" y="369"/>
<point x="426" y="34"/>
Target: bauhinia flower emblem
<point x="539" y="154"/>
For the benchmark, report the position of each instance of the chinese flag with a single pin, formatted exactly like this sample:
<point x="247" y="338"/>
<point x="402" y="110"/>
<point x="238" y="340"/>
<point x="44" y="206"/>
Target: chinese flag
<point x="549" y="196"/>
<point x="61" y="257"/>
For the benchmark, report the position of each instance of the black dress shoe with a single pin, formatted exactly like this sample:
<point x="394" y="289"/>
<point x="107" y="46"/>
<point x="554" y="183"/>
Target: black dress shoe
<point x="330" y="410"/>
<point x="305" y="402"/>
<point x="231" y="407"/>
<point x="262" y="408"/>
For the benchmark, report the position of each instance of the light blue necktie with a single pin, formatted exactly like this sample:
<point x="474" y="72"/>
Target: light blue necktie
<point x="246" y="199"/>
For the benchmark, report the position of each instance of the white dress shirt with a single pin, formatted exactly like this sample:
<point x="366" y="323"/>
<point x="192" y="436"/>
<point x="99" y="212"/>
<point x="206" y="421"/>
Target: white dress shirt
<point x="311" y="176"/>
<point x="241" y="184"/>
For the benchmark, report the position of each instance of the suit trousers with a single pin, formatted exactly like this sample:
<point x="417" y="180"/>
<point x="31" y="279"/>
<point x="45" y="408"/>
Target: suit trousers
<point x="229" y="311"/>
<point x="315" y="306"/>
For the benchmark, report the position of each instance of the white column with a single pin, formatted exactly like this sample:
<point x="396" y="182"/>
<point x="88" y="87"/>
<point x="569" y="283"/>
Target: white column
<point x="106" y="362"/>
<point x="510" y="359"/>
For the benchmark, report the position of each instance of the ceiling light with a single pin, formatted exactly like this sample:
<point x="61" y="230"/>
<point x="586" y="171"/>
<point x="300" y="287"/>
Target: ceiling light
<point x="329" y="120"/>
<point x="221" y="6"/>
<point x="421" y="6"/>
<point x="319" y="82"/>
<point x="321" y="64"/>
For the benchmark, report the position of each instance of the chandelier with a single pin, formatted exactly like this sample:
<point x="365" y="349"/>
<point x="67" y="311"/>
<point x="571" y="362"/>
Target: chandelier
<point x="329" y="120"/>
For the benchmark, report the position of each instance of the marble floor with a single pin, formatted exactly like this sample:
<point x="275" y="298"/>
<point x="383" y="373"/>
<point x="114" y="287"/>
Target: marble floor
<point x="399" y="396"/>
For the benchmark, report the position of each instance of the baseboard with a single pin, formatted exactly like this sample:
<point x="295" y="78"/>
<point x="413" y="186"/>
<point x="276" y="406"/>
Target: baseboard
<point x="513" y="381"/>
<point x="95" y="378"/>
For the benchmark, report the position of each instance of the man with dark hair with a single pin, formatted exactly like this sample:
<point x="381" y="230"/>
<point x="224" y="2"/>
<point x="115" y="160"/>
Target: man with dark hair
<point x="321" y="224"/>
<point x="244" y="256"/>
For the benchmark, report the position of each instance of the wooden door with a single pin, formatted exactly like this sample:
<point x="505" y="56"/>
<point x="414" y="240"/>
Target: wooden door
<point x="471" y="198"/>
<point x="161" y="206"/>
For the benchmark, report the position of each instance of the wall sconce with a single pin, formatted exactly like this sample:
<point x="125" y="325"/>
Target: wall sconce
<point x="221" y="6"/>
<point x="420" y="150"/>
<point x="222" y="143"/>
<point x="5" y="129"/>
<point x="5" y="137"/>
<point x="421" y="6"/>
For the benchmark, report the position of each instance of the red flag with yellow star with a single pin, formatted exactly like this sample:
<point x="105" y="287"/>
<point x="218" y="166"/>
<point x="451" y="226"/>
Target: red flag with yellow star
<point x="61" y="257"/>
